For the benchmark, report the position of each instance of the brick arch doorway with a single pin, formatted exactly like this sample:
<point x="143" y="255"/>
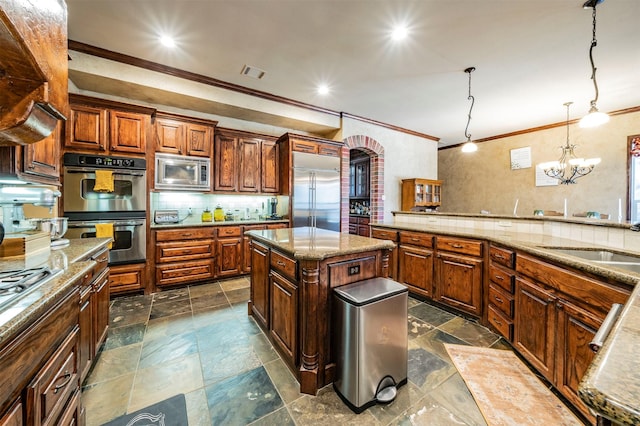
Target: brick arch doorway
<point x="376" y="176"/>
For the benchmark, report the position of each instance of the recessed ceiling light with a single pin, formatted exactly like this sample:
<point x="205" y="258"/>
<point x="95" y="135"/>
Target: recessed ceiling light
<point x="399" y="33"/>
<point x="323" y="89"/>
<point x="253" y="72"/>
<point x="167" y="41"/>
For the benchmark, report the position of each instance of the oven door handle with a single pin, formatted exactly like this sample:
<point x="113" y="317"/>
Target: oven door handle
<point x="93" y="223"/>
<point x="115" y="172"/>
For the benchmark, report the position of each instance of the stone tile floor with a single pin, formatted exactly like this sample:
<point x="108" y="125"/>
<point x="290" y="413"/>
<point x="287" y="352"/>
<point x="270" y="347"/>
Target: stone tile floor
<point x="200" y="341"/>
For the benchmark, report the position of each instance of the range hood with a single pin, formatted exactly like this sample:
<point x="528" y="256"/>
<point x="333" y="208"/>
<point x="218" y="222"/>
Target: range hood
<point x="33" y="69"/>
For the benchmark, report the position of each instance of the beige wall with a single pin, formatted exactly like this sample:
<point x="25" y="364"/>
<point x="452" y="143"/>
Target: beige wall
<point x="405" y="156"/>
<point x="484" y="180"/>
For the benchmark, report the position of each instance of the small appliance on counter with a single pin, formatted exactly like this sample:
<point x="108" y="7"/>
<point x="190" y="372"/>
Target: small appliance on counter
<point x="273" y="209"/>
<point x="56" y="227"/>
<point x="166" y="216"/>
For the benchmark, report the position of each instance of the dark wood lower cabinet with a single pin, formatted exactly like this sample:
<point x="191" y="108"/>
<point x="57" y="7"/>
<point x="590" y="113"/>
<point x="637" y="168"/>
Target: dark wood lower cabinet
<point x="284" y="315"/>
<point x="416" y="268"/>
<point x="13" y="416"/>
<point x="535" y="326"/>
<point x="459" y="282"/>
<point x="260" y="300"/>
<point x="228" y="255"/>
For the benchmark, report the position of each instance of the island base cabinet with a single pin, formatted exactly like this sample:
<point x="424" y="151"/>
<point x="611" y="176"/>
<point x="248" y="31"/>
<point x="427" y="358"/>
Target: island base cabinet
<point x="416" y="269"/>
<point x="259" y="303"/>
<point x="459" y="282"/>
<point x="284" y="315"/>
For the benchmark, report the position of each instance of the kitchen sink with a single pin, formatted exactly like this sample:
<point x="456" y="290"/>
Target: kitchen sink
<point x="603" y="257"/>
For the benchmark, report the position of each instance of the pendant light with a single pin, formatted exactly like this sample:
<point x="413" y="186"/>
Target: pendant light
<point x="569" y="167"/>
<point x="595" y="117"/>
<point x="468" y="145"/>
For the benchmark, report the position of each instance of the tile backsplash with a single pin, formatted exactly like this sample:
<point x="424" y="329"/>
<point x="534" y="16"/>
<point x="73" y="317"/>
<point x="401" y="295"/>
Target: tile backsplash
<point x="253" y="206"/>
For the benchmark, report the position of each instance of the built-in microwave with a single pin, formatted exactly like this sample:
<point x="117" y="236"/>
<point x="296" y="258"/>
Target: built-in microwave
<point x="182" y="173"/>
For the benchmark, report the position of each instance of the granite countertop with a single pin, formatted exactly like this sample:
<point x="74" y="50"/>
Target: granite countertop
<point x="535" y="244"/>
<point x="37" y="299"/>
<point x="316" y="244"/>
<point x="611" y="385"/>
<point x="571" y="219"/>
<point x="198" y="223"/>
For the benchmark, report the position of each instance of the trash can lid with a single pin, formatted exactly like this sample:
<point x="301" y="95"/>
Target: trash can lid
<point x="369" y="291"/>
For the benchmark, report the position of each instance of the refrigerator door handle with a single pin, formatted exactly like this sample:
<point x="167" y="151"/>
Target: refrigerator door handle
<point x="313" y="200"/>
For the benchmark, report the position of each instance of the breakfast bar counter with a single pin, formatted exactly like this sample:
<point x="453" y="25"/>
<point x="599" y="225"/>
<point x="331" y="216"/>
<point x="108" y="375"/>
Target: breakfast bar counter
<point x="293" y="272"/>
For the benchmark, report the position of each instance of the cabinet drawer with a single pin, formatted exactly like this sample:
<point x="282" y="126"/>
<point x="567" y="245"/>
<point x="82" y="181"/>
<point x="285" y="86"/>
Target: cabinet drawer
<point x="186" y="234"/>
<point x="184" y="272"/>
<point x="500" y="323"/>
<point x="350" y="271"/>
<point x="229" y="231"/>
<point x="127" y="278"/>
<point x="331" y="150"/>
<point x="285" y="265"/>
<point x="501" y="300"/>
<point x="253" y="228"/>
<point x="363" y="221"/>
<point x="353" y="228"/>
<point x="384" y="234"/>
<point x="457" y="245"/>
<point x="305" y="146"/>
<point x="502" y="277"/>
<point x="52" y="387"/>
<point x="502" y="256"/>
<point x="184" y="250"/>
<point x="416" y="239"/>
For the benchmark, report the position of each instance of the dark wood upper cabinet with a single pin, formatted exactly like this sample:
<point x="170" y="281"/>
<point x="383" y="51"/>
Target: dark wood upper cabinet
<point x="180" y="135"/>
<point x="245" y="162"/>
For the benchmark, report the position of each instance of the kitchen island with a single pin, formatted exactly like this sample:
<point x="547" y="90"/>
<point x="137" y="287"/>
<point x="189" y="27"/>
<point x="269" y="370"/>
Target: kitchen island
<point x="293" y="273"/>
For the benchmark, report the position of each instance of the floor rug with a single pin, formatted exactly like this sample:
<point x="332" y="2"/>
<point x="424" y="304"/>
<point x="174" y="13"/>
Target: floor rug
<point x="506" y="391"/>
<point x="170" y="412"/>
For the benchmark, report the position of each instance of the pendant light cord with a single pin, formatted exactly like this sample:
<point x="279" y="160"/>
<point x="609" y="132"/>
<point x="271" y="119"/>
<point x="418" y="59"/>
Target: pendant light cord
<point x="473" y="100"/>
<point x="594" y="43"/>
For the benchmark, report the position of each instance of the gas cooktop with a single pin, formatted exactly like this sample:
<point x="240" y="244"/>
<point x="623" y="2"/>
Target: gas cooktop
<point x="15" y="284"/>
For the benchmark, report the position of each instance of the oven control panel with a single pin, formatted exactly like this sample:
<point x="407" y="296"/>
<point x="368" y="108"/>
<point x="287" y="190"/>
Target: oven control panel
<point x="166" y="216"/>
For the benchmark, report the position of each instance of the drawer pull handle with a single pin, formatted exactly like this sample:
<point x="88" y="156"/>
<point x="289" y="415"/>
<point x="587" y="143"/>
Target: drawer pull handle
<point x="187" y="234"/>
<point x="456" y="245"/>
<point x="499" y="277"/>
<point x="67" y="377"/>
<point x="280" y="263"/>
<point x="187" y="252"/>
<point x="499" y="256"/>
<point x="497" y="321"/>
<point x="499" y="300"/>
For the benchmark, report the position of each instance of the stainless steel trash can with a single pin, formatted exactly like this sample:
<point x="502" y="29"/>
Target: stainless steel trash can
<point x="369" y="341"/>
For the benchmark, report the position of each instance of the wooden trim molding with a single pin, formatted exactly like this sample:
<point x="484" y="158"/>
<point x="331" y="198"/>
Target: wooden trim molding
<point x="77" y="99"/>
<point x="389" y="126"/>
<point x="540" y="128"/>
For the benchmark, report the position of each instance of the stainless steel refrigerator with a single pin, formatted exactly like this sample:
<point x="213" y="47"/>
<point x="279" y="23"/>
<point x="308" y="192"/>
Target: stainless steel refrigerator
<point x="316" y="191"/>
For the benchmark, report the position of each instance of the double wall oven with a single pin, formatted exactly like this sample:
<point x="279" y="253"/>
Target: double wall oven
<point x="124" y="207"/>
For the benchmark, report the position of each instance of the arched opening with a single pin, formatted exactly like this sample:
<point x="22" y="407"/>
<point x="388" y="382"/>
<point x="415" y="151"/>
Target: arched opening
<point x="375" y="151"/>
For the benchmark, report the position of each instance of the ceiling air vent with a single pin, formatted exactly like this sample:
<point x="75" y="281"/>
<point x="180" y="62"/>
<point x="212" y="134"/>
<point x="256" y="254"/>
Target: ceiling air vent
<point x="252" y="72"/>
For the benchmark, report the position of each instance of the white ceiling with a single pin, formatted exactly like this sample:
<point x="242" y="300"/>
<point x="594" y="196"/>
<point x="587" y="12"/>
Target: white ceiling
<point x="530" y="56"/>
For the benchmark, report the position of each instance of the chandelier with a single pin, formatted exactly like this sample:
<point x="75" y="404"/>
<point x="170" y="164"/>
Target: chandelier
<point x="594" y="117"/>
<point x="569" y="167"/>
<point x="468" y="145"/>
